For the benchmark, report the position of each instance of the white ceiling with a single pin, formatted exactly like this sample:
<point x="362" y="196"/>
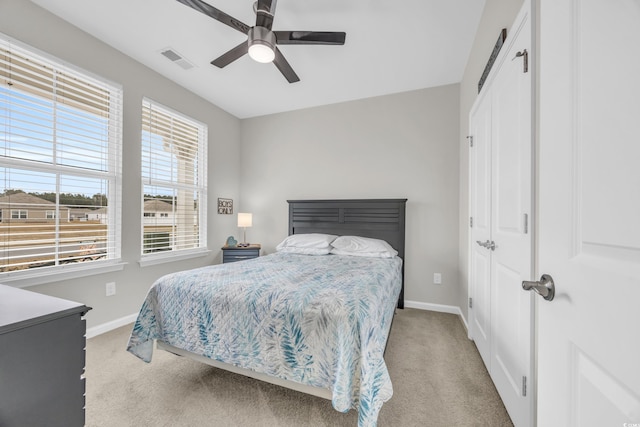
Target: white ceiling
<point x="391" y="46"/>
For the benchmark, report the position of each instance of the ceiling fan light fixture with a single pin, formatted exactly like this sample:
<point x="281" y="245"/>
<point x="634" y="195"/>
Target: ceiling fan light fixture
<point x="261" y="53"/>
<point x="262" y="44"/>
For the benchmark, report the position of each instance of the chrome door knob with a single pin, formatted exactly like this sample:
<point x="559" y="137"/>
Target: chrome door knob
<point x="489" y="244"/>
<point x="543" y="287"/>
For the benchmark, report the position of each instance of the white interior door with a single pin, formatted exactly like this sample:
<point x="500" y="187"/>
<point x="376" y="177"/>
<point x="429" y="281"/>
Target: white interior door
<point x="501" y="196"/>
<point x="589" y="213"/>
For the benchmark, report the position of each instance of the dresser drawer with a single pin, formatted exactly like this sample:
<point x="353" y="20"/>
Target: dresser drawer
<point x="240" y="254"/>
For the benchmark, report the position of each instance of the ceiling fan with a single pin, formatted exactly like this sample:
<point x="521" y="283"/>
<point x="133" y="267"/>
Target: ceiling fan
<point x="262" y="41"/>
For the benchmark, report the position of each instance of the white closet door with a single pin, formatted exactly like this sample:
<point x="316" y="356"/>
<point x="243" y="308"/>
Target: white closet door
<point x="511" y="261"/>
<point x="501" y="319"/>
<point x="480" y="256"/>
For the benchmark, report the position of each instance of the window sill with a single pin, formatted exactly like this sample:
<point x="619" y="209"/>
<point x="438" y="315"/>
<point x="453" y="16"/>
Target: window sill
<point x="24" y="279"/>
<point x="165" y="257"/>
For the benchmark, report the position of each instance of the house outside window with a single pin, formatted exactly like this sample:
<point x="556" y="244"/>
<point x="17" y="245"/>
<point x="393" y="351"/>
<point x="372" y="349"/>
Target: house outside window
<point x="174" y="183"/>
<point x="16" y="214"/>
<point x="60" y="151"/>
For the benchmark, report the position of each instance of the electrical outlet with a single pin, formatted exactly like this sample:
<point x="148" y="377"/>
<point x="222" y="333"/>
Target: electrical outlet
<point x="111" y="288"/>
<point x="437" y="278"/>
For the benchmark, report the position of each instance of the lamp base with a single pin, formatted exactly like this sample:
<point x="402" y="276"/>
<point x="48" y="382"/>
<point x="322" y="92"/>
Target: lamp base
<point x="244" y="243"/>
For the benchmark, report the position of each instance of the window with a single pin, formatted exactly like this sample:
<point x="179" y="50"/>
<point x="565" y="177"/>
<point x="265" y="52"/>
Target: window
<point x="16" y="214"/>
<point x="174" y="186"/>
<point x="60" y="160"/>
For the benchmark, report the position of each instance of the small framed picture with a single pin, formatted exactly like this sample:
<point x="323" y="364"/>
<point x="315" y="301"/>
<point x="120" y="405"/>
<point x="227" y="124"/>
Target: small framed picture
<point x="225" y="206"/>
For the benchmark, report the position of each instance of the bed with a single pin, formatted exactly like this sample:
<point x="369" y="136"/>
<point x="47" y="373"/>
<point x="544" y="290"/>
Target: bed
<point x="316" y="324"/>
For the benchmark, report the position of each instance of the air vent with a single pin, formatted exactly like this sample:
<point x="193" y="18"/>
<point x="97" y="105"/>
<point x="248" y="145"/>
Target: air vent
<point x="176" y="58"/>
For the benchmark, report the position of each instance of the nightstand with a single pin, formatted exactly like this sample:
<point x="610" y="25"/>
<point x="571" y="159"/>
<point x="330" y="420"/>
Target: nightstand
<point x="237" y="253"/>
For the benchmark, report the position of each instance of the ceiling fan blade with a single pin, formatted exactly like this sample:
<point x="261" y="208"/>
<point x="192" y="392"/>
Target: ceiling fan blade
<point x="230" y="56"/>
<point x="285" y="68"/>
<point x="310" y="37"/>
<point x="216" y="14"/>
<point x="265" y="9"/>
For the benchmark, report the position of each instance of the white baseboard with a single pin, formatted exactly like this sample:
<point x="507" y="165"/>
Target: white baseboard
<point x="452" y="309"/>
<point x="109" y="326"/>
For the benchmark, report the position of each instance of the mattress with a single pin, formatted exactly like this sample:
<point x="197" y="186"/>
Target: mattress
<point x="321" y="321"/>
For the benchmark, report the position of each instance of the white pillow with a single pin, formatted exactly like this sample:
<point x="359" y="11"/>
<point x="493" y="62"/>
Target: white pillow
<point x="304" y="251"/>
<point x="311" y="240"/>
<point x="366" y="245"/>
<point x="384" y="254"/>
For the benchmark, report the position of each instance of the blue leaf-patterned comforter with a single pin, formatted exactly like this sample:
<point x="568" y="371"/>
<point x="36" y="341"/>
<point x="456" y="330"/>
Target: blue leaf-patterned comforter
<point x="316" y="320"/>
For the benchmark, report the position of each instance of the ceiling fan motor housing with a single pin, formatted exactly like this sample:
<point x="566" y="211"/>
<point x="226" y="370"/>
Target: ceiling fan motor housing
<point x="262" y="44"/>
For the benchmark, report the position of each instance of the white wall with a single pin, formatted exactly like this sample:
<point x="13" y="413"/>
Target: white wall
<point x="497" y="14"/>
<point x="30" y="24"/>
<point x="396" y="146"/>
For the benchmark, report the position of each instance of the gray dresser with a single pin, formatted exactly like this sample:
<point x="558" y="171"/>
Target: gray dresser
<point x="42" y="342"/>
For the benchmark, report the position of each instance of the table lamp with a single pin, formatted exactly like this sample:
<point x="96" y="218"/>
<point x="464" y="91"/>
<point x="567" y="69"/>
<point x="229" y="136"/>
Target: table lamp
<point x="244" y="221"/>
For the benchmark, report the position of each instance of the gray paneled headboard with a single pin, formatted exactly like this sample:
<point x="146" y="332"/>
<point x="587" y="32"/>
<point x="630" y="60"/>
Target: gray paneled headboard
<point x="376" y="218"/>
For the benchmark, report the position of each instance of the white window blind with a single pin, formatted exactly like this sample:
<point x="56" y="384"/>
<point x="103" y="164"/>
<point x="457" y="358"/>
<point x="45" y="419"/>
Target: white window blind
<point x="174" y="183"/>
<point x="60" y="164"/>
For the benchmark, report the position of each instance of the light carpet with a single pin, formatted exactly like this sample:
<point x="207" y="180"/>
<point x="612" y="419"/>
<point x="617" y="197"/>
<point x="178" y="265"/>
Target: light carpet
<point x="437" y="374"/>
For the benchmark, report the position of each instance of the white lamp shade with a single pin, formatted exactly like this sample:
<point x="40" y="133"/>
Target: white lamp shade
<point x="244" y="220"/>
